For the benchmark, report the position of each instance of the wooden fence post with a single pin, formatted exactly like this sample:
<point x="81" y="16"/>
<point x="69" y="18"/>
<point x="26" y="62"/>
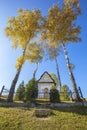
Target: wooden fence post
<point x="79" y="89"/>
<point x="2" y="90"/>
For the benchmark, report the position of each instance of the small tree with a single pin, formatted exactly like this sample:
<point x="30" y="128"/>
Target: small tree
<point x="64" y="92"/>
<point x="54" y="95"/>
<point x="31" y="90"/>
<point x="20" y="93"/>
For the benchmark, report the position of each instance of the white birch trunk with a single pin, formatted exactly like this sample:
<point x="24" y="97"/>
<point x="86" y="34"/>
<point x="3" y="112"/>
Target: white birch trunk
<point x="74" y="86"/>
<point x="35" y="71"/>
<point x="58" y="74"/>
<point x="13" y="85"/>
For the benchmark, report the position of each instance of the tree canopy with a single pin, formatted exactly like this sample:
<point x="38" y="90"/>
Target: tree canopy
<point x="24" y="27"/>
<point x="59" y="26"/>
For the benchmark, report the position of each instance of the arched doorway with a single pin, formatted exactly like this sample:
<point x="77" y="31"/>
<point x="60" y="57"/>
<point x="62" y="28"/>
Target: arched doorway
<point x="46" y="93"/>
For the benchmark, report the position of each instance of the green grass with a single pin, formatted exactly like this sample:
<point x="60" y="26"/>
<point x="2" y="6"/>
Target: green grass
<point x="74" y="118"/>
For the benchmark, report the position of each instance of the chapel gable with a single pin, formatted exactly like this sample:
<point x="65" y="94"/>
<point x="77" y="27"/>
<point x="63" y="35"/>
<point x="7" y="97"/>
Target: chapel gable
<point x="46" y="78"/>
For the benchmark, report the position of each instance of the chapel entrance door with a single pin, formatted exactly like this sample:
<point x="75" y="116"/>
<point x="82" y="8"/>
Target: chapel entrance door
<point x="46" y="93"/>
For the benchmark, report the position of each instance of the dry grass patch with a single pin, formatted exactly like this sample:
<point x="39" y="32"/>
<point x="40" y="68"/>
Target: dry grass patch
<point x="74" y="118"/>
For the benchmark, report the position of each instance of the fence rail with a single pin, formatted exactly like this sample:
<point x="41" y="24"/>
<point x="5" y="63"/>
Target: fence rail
<point x="68" y="95"/>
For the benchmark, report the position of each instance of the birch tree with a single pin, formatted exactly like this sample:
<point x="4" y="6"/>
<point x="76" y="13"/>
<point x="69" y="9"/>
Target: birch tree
<point x="21" y="30"/>
<point x="60" y="29"/>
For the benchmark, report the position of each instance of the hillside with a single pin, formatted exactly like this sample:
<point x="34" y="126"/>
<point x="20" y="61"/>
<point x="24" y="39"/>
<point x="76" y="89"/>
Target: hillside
<point x="74" y="118"/>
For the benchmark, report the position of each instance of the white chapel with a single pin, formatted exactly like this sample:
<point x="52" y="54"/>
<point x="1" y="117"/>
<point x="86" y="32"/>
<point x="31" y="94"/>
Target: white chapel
<point x="44" y="85"/>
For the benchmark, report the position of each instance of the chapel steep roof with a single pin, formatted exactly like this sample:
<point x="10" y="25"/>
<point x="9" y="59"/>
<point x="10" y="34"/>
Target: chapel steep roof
<point x="46" y="78"/>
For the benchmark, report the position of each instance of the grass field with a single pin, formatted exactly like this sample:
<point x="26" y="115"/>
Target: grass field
<point x="74" y="118"/>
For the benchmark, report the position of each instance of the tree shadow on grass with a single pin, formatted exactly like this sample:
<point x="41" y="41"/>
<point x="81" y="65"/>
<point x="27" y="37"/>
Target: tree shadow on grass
<point x="81" y="110"/>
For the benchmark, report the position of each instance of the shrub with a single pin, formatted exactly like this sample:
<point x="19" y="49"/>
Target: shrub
<point x="54" y="95"/>
<point x="64" y="92"/>
<point x="31" y="90"/>
<point x="20" y="93"/>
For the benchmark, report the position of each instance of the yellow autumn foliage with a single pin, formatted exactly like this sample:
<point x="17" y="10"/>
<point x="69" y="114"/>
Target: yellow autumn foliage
<point x="60" y="24"/>
<point x="34" y="52"/>
<point x="20" y="62"/>
<point x="23" y="27"/>
<point x="21" y="30"/>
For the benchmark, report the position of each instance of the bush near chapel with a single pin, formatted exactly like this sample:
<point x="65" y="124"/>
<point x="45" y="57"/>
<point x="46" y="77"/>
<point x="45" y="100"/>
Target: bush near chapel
<point x="64" y="92"/>
<point x="31" y="90"/>
<point x="20" y="93"/>
<point x="54" y="95"/>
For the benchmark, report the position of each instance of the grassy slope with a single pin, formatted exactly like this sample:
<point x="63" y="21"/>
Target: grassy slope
<point x="74" y="118"/>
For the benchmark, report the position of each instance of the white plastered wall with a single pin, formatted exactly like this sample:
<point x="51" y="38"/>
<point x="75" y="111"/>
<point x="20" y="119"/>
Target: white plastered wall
<point x="41" y="87"/>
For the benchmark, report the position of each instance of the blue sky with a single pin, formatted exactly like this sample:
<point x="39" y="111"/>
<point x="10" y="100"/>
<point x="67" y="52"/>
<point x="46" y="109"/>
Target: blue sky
<point x="77" y="51"/>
